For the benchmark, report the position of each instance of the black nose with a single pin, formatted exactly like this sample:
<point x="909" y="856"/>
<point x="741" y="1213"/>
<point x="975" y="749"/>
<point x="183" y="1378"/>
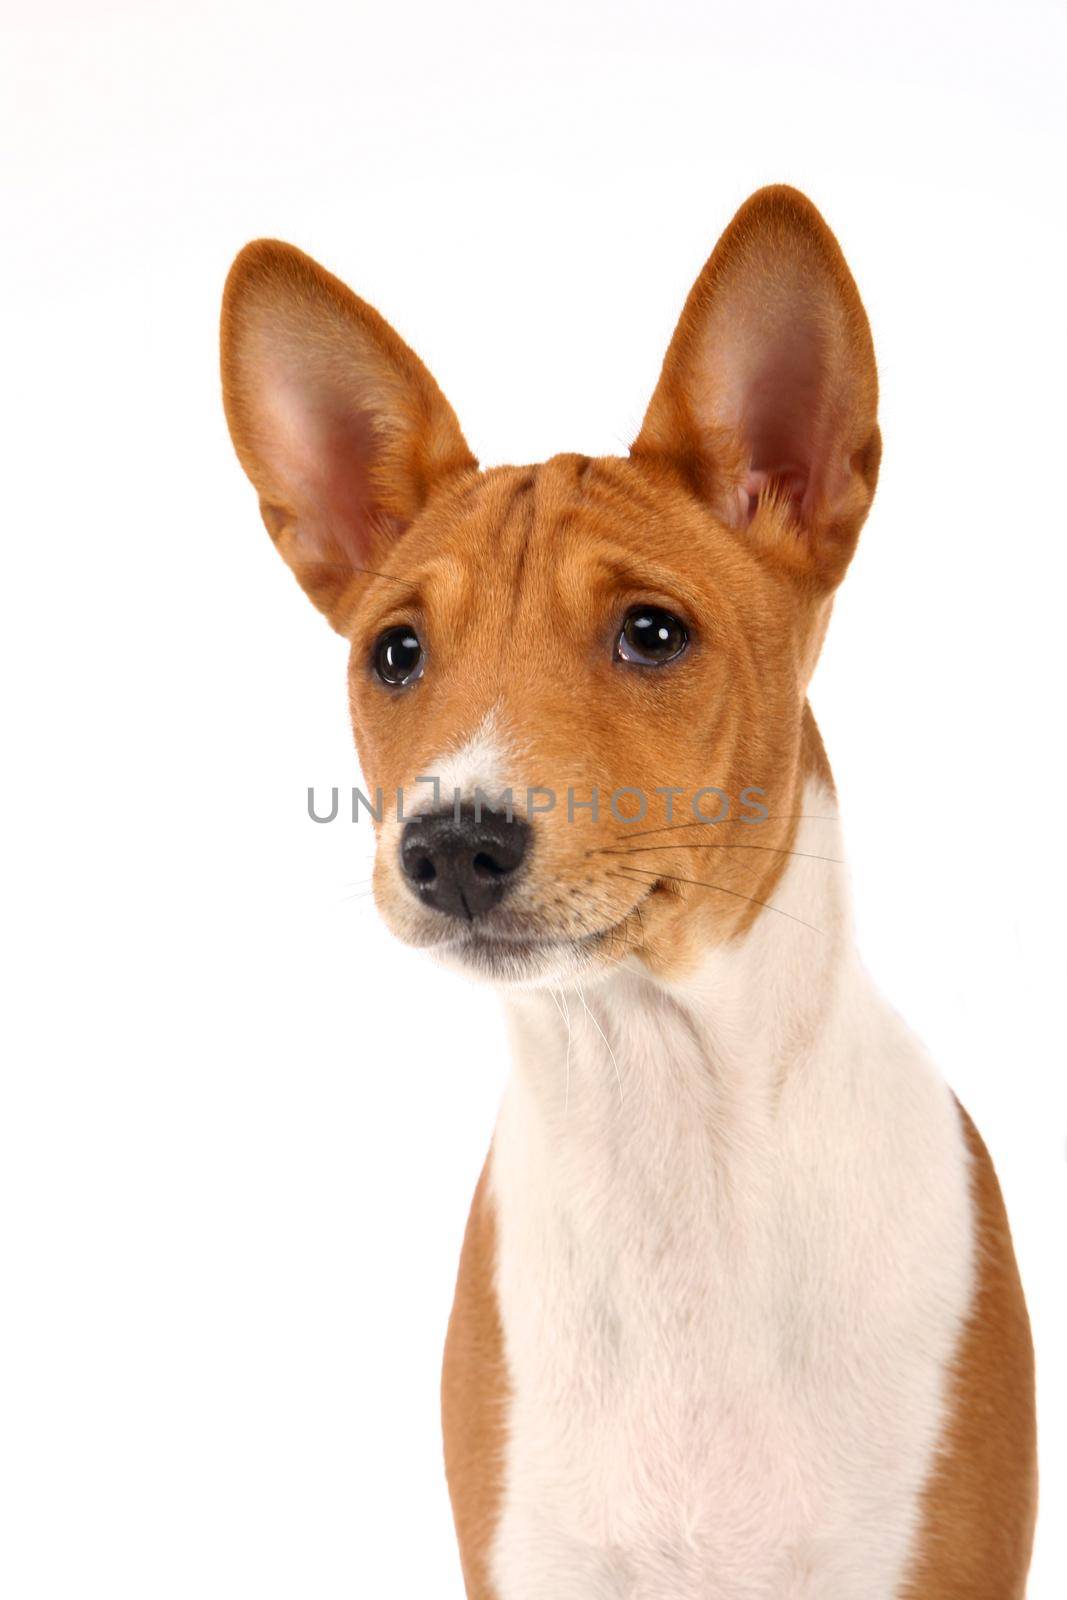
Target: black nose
<point x="463" y="865"/>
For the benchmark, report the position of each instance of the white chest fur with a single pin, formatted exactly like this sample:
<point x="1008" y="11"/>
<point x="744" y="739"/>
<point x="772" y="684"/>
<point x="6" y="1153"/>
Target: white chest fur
<point x="731" y="1288"/>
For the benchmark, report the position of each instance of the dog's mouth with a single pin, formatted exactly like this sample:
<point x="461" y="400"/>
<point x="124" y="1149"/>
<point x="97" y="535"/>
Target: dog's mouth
<point x="519" y="961"/>
<point x="518" y="958"/>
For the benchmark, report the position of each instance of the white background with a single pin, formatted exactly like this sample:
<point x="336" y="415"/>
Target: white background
<point x="240" y="1128"/>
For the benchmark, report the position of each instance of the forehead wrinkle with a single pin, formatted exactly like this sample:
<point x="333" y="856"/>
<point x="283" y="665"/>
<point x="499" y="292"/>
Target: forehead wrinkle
<point x="559" y="506"/>
<point x="618" y="565"/>
<point x="442" y="580"/>
<point x="520" y="517"/>
<point x="614" y="484"/>
<point x="529" y="517"/>
<point x="472" y="581"/>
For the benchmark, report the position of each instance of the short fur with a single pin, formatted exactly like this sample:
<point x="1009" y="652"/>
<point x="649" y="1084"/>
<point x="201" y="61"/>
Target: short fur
<point x="737" y="1315"/>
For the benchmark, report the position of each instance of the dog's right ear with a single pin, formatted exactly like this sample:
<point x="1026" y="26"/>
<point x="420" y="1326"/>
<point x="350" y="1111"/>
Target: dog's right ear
<point x="341" y="429"/>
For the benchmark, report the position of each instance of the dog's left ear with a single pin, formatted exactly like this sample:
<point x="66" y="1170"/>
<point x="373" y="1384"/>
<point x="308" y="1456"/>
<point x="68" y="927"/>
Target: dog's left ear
<point x="767" y="403"/>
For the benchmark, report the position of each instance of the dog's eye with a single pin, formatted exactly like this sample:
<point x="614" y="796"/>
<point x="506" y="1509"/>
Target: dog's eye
<point x="650" y="636"/>
<point x="397" y="656"/>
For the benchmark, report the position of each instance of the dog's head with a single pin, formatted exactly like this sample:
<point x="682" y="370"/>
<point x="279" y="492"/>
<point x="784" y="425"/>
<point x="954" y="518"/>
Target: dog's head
<point x="600" y="664"/>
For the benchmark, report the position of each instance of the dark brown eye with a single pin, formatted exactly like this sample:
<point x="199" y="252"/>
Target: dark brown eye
<point x="397" y="656"/>
<point x="650" y="637"/>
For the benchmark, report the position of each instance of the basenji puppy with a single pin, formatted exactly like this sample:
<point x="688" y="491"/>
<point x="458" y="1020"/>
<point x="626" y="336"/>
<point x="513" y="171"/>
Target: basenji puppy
<point x="737" y="1314"/>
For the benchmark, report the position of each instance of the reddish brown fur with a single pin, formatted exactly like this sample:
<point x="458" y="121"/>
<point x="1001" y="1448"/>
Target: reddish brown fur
<point x="981" y="1502"/>
<point x="474" y="1397"/>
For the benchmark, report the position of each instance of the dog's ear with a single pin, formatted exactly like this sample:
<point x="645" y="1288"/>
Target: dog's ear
<point x="338" y="424"/>
<point x="767" y="403"/>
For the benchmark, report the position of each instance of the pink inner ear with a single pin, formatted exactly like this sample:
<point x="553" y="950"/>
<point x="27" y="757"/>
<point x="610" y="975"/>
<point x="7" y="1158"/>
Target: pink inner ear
<point x="781" y="392"/>
<point x="324" y="451"/>
<point x="345" y="448"/>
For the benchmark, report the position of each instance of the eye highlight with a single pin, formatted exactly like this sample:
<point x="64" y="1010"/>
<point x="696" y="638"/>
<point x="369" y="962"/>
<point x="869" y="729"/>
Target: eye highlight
<point x="397" y="656"/>
<point x="650" y="637"/>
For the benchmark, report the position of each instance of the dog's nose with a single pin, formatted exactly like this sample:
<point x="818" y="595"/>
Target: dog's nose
<point x="463" y="865"/>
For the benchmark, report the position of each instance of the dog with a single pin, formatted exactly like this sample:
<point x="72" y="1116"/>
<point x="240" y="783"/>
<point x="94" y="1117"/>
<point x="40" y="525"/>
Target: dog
<point x="737" y="1314"/>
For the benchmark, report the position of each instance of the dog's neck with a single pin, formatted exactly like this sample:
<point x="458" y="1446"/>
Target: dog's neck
<point x="636" y="1058"/>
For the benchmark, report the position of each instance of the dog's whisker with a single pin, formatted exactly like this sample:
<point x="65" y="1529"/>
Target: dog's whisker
<point x="565" y="1012"/>
<point x="346" y="566"/>
<point x="699" y="883"/>
<point x="774" y="850"/>
<point x="603" y="1035"/>
<point x="746" y="822"/>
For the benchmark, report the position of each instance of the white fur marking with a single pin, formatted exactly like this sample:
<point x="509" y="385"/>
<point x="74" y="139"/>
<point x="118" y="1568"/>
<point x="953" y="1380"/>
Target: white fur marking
<point x="479" y="763"/>
<point x="730" y="1299"/>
